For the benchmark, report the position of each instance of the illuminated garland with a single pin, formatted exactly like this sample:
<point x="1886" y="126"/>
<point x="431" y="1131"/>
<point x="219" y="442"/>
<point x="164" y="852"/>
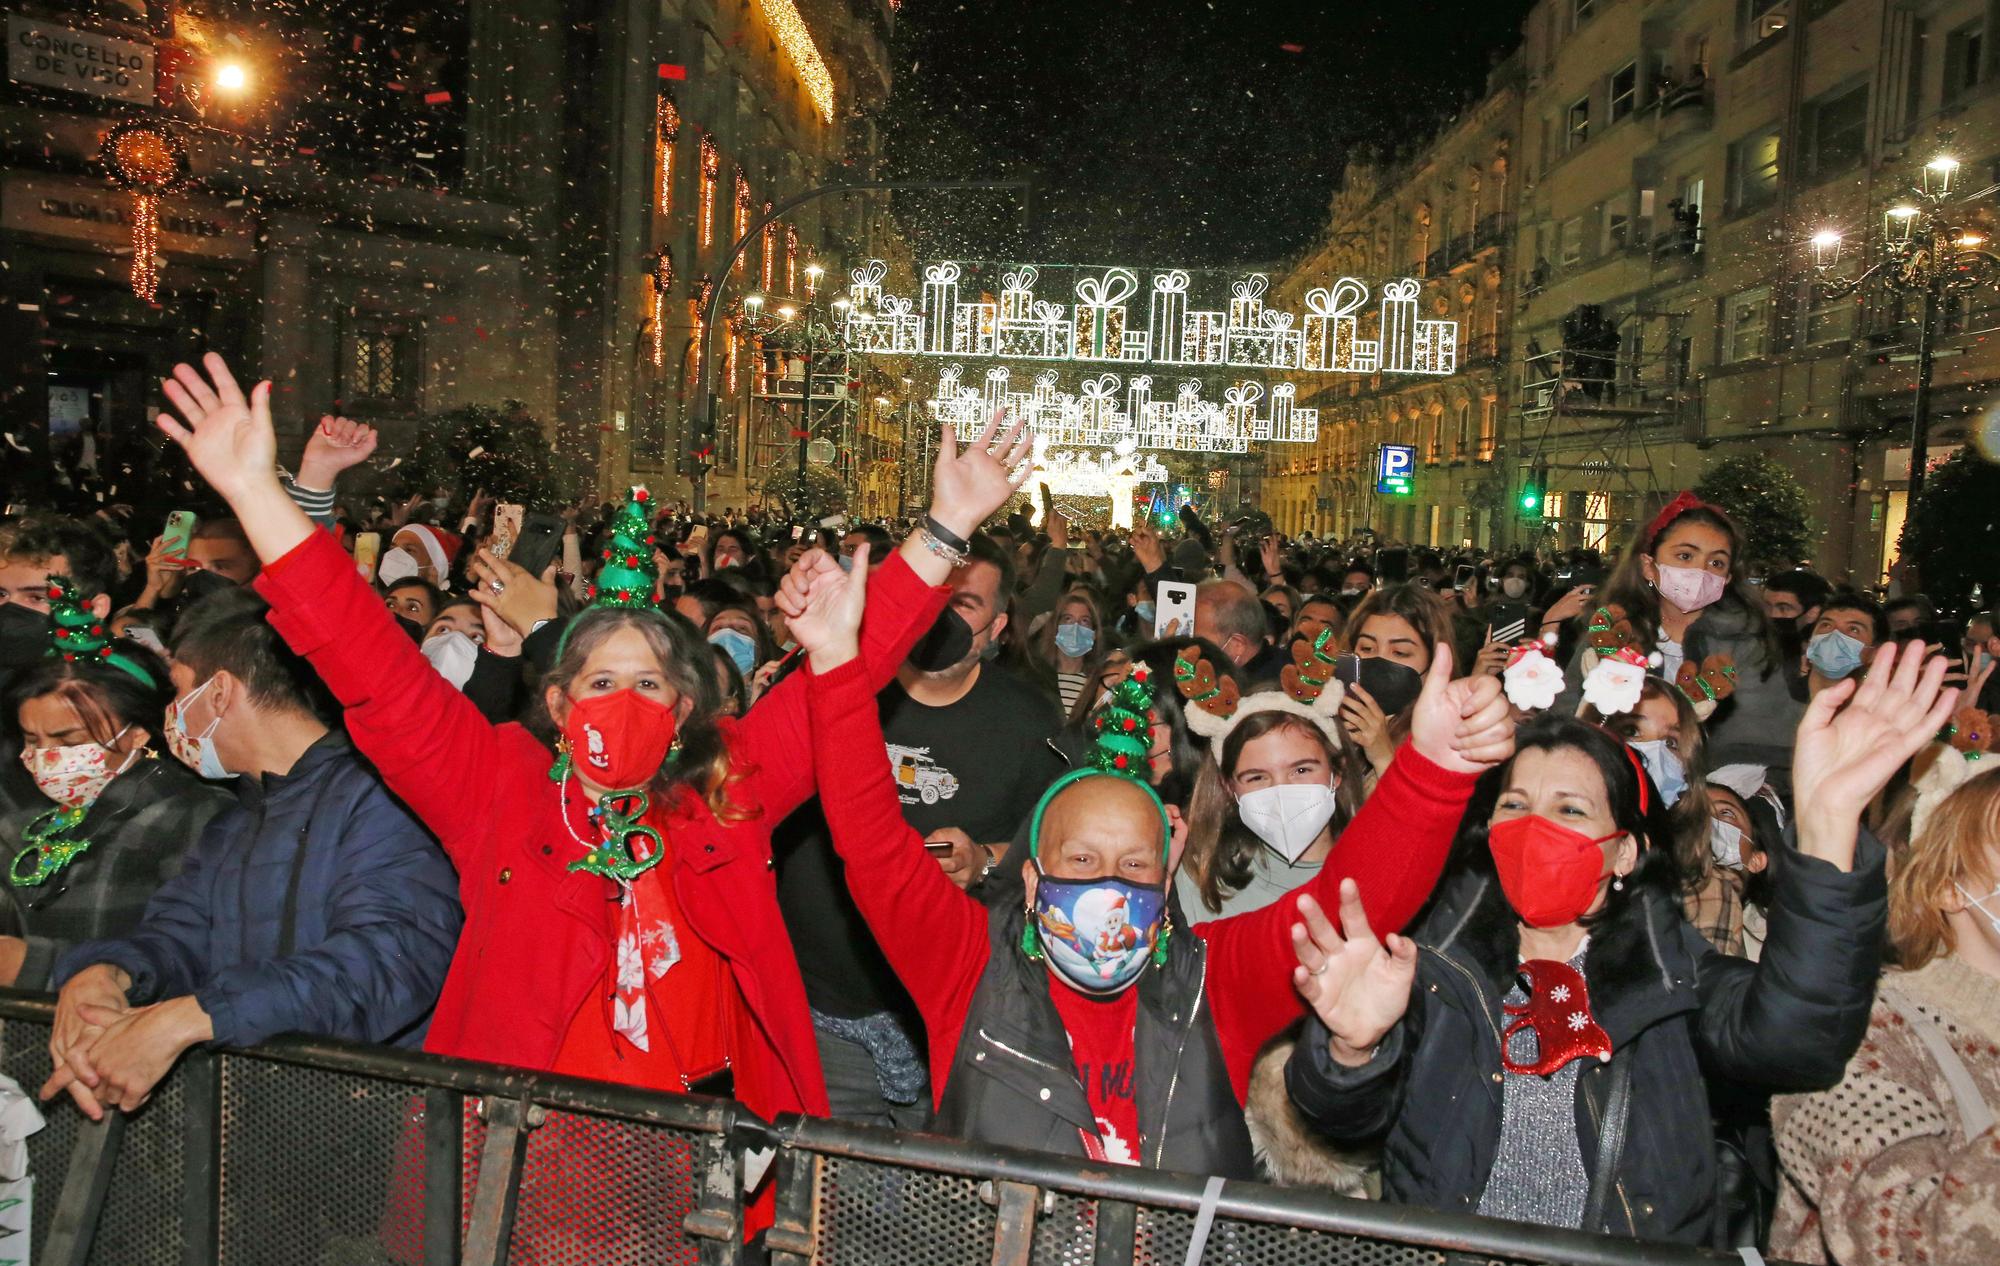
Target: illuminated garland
<point x="669" y="124"/>
<point x="769" y="248"/>
<point x="148" y="159"/>
<point x="729" y="340"/>
<point x="791" y="260"/>
<point x="798" y="44"/>
<point x="663" y="281"/>
<point x="711" y="175"/>
<point x="697" y="304"/>
<point x="741" y="223"/>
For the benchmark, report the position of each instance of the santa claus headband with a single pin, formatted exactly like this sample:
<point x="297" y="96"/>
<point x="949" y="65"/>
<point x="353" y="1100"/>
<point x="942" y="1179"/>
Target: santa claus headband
<point x="1307" y="690"/>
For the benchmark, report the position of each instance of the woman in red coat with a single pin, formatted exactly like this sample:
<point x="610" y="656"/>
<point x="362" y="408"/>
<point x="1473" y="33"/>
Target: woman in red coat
<point x="621" y="917"/>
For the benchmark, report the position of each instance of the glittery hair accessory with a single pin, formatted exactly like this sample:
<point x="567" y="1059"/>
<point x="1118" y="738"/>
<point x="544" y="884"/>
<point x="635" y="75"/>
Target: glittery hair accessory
<point x="1216" y="709"/>
<point x="1615" y="666"/>
<point x="1558" y="1009"/>
<point x="76" y="634"/>
<point x="1707" y="684"/>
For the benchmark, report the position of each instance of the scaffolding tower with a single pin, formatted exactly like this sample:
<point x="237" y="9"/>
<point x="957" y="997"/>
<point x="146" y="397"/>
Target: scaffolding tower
<point x="1591" y="411"/>
<point x="781" y="407"/>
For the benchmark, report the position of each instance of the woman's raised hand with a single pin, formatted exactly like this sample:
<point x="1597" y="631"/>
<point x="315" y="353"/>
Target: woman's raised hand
<point x="228" y="437"/>
<point x="1358" y="986"/>
<point x="823" y="606"/>
<point x="1855" y="737"/>
<point x="969" y="484"/>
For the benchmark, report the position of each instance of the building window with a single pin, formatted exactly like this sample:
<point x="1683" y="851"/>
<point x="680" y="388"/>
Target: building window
<point x="1962" y="51"/>
<point x="1461" y="440"/>
<point x="1569" y="241"/>
<point x="1746" y="324"/>
<point x="1624" y="90"/>
<point x="1581" y="10"/>
<point x="1489" y="428"/>
<point x="1837" y="128"/>
<point x="1763" y="19"/>
<point x="1753" y="170"/>
<point x="1577" y="123"/>
<point x="1617" y="224"/>
<point x="667" y="121"/>
<point x="1827" y="319"/>
<point x="378" y="362"/>
<point x="1432" y="424"/>
<point x="711" y="175"/>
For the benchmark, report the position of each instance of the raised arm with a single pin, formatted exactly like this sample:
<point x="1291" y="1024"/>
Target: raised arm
<point x="933" y="935"/>
<point x="431" y="744"/>
<point x="1394" y="851"/>
<point x="904" y="598"/>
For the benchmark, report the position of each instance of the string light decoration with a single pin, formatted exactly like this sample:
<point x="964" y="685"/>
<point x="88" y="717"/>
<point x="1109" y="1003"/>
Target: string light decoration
<point x="768" y="250"/>
<point x="663" y="281"/>
<point x="146" y="158"/>
<point x="1107" y="412"/>
<point x="667" y="123"/>
<point x="798" y="44"/>
<point x="791" y="260"/>
<point x="697" y="304"/>
<point x="740" y="224"/>
<point x="711" y="175"/>
<point x="729" y="349"/>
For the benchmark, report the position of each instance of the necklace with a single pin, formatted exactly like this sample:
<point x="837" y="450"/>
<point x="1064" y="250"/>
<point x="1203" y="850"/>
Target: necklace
<point x="615" y="856"/>
<point x="50" y="845"/>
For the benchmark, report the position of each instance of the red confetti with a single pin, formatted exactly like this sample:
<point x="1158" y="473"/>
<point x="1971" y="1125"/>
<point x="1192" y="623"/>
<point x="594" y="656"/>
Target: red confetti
<point x="437" y="98"/>
<point x="1293" y="48"/>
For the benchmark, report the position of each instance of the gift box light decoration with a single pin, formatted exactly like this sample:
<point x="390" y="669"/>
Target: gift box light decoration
<point x="1246" y="333"/>
<point x="798" y="44"/>
<point x="146" y="158"/>
<point x="1106" y="411"/>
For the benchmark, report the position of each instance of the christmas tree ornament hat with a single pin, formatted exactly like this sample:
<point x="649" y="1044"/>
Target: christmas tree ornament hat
<point x="76" y="634"/>
<point x="629" y="575"/>
<point x="1123" y="744"/>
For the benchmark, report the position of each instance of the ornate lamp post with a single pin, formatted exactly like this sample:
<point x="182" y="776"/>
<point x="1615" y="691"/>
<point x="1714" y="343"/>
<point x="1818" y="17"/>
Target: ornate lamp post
<point x="1931" y="250"/>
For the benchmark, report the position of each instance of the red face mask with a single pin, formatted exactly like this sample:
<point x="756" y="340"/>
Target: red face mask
<point x="1549" y="872"/>
<point x="619" y="740"/>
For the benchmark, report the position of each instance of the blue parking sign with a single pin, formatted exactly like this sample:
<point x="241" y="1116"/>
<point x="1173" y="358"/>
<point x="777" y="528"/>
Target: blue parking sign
<point x="1394" y="469"/>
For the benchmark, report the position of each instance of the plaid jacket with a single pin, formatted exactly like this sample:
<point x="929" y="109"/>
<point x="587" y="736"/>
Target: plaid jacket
<point x="139" y="828"/>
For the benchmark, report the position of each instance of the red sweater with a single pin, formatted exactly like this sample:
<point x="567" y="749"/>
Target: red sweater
<point x="536" y="941"/>
<point x="935" y="936"/>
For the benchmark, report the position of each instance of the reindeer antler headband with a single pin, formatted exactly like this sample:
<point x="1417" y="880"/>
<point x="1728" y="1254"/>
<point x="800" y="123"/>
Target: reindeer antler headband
<point x="1215" y="706"/>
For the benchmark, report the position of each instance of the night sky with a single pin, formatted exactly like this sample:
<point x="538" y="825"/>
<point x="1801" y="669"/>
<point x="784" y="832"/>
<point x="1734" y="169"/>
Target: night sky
<point x="1167" y="131"/>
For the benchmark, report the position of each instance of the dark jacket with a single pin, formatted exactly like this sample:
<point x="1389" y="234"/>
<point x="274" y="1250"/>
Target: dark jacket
<point x="139" y="829"/>
<point x="1672" y="1006"/>
<point x="317" y="905"/>
<point x="1013" y="1083"/>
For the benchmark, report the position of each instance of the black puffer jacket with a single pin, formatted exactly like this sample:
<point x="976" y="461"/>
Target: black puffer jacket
<point x="1672" y="1006"/>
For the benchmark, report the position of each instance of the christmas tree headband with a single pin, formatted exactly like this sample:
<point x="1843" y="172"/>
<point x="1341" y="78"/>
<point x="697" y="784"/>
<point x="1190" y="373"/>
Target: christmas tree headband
<point x="629" y="577"/>
<point x="75" y="633"/>
<point x="1308" y="691"/>
<point x="1124" y="742"/>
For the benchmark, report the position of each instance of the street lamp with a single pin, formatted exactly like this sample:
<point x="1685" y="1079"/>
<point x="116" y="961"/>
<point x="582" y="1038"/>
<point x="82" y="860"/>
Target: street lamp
<point x="1929" y="252"/>
<point x="232" y="78"/>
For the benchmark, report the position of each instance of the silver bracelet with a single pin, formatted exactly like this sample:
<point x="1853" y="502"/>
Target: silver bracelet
<point x="936" y="545"/>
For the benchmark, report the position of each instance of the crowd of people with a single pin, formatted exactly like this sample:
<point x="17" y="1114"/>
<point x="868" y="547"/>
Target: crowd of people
<point x="1646" y="896"/>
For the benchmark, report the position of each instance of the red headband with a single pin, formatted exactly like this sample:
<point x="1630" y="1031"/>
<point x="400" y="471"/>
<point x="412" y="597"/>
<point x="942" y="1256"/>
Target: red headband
<point x="1639" y="768"/>
<point x="1680" y="505"/>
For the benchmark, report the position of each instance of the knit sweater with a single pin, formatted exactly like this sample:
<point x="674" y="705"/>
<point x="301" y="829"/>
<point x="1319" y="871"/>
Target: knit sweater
<point x="1879" y="1169"/>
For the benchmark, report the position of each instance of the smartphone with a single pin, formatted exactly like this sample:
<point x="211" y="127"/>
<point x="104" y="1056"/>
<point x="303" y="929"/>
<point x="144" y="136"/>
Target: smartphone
<point x="697" y="536"/>
<point x="1392" y="566"/>
<point x="1173" y="614"/>
<point x="1461" y="579"/>
<point x="507" y="519"/>
<point x="1508" y="632"/>
<point x="798" y="531"/>
<point x="537" y="540"/>
<point x="1506" y="615"/>
<point x="179" y="531"/>
<point x="367" y="553"/>
<point x="1391" y="690"/>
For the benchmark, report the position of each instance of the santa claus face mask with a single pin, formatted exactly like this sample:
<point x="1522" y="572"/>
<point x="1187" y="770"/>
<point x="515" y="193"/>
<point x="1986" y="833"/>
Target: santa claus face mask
<point x="618" y="741"/>
<point x="1097" y="934"/>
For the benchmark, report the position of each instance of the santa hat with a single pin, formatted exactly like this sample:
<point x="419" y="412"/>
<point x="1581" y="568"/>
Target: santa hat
<point x="440" y="547"/>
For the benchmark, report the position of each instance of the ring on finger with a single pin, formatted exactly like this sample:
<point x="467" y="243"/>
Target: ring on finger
<point x="1321" y="969"/>
<point x="497" y="586"/>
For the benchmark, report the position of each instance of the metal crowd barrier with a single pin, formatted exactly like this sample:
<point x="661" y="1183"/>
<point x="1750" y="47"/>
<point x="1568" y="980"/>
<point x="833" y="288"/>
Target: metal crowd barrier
<point x="306" y="1153"/>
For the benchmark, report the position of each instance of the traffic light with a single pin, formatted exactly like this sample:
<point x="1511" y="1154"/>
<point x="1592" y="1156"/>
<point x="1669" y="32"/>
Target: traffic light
<point x="1534" y="489"/>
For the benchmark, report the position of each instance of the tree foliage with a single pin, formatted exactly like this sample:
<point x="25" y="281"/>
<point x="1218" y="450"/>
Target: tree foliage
<point x="1767" y="503"/>
<point x="1952" y="528"/>
<point x="504" y="451"/>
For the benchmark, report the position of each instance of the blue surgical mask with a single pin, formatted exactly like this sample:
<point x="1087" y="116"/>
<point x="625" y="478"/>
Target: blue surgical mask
<point x="739" y="646"/>
<point x="1146" y="613"/>
<point x="1834" y="655"/>
<point x="197" y="751"/>
<point x="1097" y="934"/>
<point x="1075" y="640"/>
<point x="1664" y="764"/>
